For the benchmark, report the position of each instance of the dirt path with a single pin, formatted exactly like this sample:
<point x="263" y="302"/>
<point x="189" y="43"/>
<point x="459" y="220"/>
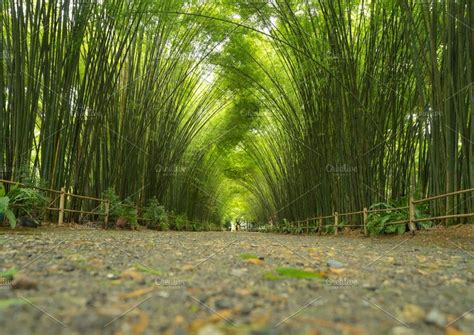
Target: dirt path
<point x="117" y="282"/>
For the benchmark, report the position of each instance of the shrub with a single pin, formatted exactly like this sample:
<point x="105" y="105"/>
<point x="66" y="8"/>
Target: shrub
<point x="379" y="223"/>
<point x="114" y="203"/>
<point x="118" y="208"/>
<point x="5" y="211"/>
<point x="156" y="215"/>
<point x="31" y="202"/>
<point x="128" y="211"/>
<point x="180" y="221"/>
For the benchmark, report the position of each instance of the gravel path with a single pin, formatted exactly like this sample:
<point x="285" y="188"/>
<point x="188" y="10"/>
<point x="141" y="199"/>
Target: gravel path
<point x="146" y="282"/>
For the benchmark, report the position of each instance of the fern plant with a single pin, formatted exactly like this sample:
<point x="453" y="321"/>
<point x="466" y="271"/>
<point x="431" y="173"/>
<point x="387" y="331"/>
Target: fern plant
<point x="5" y="211"/>
<point x="379" y="222"/>
<point x="31" y="202"/>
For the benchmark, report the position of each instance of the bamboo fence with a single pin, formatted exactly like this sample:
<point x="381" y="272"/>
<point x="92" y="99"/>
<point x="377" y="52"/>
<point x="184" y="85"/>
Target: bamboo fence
<point x="411" y="221"/>
<point x="62" y="209"/>
<point x="304" y="225"/>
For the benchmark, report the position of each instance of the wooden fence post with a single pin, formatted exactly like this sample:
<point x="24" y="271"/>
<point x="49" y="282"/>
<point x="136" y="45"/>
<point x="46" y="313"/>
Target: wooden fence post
<point x="106" y="218"/>
<point x="336" y="222"/>
<point x="412" y="213"/>
<point x="320" y="229"/>
<point x="62" y="199"/>
<point x="366" y="220"/>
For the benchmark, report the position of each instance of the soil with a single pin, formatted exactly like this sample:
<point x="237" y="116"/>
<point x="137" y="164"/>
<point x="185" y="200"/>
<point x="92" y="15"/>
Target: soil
<point x="93" y="281"/>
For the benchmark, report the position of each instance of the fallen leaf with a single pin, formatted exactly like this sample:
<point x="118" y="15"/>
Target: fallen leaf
<point x="412" y="313"/>
<point x="195" y="325"/>
<point x="450" y="330"/>
<point x="178" y="320"/>
<point x="11" y="302"/>
<point x="142" y="324"/>
<point x="340" y="327"/>
<point x="243" y="291"/>
<point x="255" y="261"/>
<point x="285" y="273"/>
<point x="96" y="263"/>
<point x="116" y="309"/>
<point x="248" y="256"/>
<point x="222" y="314"/>
<point x="218" y="316"/>
<point x="132" y="274"/>
<point x="137" y="293"/>
<point x="147" y="269"/>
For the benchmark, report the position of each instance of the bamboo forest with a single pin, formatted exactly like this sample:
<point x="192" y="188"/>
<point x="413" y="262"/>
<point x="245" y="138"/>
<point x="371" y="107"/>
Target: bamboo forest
<point x="220" y="167"/>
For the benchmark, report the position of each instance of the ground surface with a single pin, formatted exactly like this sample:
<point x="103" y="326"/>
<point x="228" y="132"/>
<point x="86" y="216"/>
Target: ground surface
<point x="119" y="282"/>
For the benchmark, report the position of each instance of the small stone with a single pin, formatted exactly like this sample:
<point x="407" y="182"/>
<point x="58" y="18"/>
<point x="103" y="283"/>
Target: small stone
<point x="224" y="304"/>
<point x="436" y="317"/>
<point x="132" y="274"/>
<point x="253" y="245"/>
<point x="402" y="330"/>
<point x="314" y="286"/>
<point x="369" y="287"/>
<point x="246" y="309"/>
<point x="209" y="330"/>
<point x="112" y="276"/>
<point x="68" y="268"/>
<point x="238" y="272"/>
<point x="24" y="283"/>
<point x="335" y="264"/>
<point x="412" y="313"/>
<point x="163" y="294"/>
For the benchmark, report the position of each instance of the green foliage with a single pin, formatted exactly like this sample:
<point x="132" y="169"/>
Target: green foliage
<point x="5" y="211"/>
<point x="379" y="222"/>
<point x="6" y="303"/>
<point x="227" y="225"/>
<point x="180" y="222"/>
<point x="31" y="202"/>
<point x="129" y="212"/>
<point x="422" y="211"/>
<point x="248" y="256"/>
<point x="118" y="208"/>
<point x="286" y="273"/>
<point x="146" y="269"/>
<point x="329" y="229"/>
<point x="114" y="203"/>
<point x="8" y="274"/>
<point x="156" y="215"/>
<point x="380" y="94"/>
